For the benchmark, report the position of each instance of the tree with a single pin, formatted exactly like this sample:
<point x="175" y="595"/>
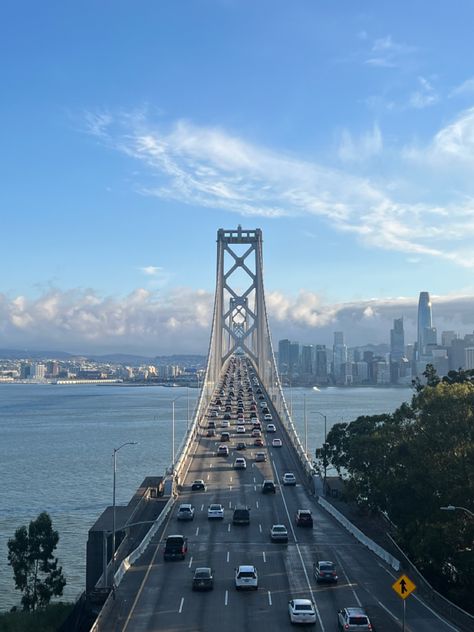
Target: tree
<point x="35" y="569"/>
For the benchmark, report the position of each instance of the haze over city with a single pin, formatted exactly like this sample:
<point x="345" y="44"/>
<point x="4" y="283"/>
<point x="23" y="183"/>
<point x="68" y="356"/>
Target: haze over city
<point x="345" y="134"/>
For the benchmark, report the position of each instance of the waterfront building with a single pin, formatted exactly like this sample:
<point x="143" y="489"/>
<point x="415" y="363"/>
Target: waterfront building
<point x="339" y="355"/>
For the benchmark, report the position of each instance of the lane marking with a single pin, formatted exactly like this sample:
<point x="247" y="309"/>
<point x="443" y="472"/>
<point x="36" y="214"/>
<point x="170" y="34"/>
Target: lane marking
<point x="254" y="479"/>
<point x="254" y="488"/>
<point x="260" y="528"/>
<point x="197" y="531"/>
<point x="269" y="598"/>
<point x="228" y="555"/>
<point x="389" y="612"/>
<point x="256" y="503"/>
<point x="277" y="478"/>
<point x="202" y="507"/>
<point x="231" y="479"/>
<point x="230" y="488"/>
<point x="226" y="598"/>
<point x="181" y="605"/>
<point x="264" y="557"/>
<point x="228" y="527"/>
<point x="208" y="476"/>
<point x="230" y="504"/>
<point x="347" y="580"/>
<point x="190" y="561"/>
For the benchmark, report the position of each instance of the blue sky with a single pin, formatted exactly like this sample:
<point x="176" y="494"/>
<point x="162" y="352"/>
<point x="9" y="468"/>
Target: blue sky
<point x="132" y="131"/>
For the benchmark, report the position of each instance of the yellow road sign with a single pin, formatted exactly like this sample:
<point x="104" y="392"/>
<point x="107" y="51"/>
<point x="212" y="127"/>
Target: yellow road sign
<point x="403" y="586"/>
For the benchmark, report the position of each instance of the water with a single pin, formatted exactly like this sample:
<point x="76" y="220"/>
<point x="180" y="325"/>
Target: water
<point x="56" y="453"/>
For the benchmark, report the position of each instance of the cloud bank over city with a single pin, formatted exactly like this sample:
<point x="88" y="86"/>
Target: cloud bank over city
<point x="144" y="323"/>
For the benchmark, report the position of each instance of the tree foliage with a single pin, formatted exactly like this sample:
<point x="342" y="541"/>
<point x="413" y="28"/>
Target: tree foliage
<point x="35" y="569"/>
<point x="409" y="464"/>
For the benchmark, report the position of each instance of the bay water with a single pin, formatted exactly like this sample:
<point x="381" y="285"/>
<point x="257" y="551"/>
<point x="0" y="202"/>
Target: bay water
<point x="57" y="441"/>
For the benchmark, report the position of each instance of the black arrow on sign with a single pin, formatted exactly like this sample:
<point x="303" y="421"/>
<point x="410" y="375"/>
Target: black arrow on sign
<point x="403" y="586"/>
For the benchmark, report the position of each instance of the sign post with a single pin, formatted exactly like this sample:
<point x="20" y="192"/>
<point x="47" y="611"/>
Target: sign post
<point x="403" y="587"/>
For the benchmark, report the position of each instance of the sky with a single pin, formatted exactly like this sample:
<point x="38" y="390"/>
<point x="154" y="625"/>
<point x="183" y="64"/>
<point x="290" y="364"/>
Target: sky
<point x="133" y="131"/>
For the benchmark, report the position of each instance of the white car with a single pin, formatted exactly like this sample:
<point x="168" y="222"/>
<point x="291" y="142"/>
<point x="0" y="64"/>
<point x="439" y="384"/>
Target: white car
<point x="302" y="611"/>
<point x="260" y="456"/>
<point x="240" y="463"/>
<point x="225" y="423"/>
<point x="240" y="430"/>
<point x="289" y="478"/>
<point x="279" y="533"/>
<point x="271" y="428"/>
<point x="276" y="443"/>
<point x="246" y="577"/>
<point x="215" y="512"/>
<point x="267" y="417"/>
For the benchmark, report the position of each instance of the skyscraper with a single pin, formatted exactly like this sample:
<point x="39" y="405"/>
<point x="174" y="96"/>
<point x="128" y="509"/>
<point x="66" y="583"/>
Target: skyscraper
<point x="339" y="355"/>
<point x="284" y="356"/>
<point x="397" y="341"/>
<point x="426" y="331"/>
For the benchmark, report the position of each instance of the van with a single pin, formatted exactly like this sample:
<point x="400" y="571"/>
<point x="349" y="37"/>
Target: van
<point x="176" y="547"/>
<point x="241" y="516"/>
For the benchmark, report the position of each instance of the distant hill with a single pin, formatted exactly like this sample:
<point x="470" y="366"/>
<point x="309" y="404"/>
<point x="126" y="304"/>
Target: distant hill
<point x="19" y="354"/>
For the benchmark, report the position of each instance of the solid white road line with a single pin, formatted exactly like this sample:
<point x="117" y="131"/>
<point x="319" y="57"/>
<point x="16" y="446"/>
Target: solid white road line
<point x="181" y="605"/>
<point x="389" y="612"/>
<point x="226" y="598"/>
<point x="347" y="580"/>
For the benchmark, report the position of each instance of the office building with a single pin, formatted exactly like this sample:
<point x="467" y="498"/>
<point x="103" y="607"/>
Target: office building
<point x="426" y="331"/>
<point x="339" y="357"/>
<point x="321" y="364"/>
<point x="294" y="365"/>
<point x="307" y="359"/>
<point x="284" y="356"/>
<point x="397" y="341"/>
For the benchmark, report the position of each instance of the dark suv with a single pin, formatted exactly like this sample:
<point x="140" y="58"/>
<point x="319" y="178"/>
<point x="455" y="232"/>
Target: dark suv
<point x="304" y="518"/>
<point x="176" y="547"/>
<point x="268" y="487"/>
<point x="241" y="516"/>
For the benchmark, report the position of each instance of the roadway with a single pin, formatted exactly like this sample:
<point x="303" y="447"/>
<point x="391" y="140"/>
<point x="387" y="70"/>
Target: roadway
<point x="157" y="595"/>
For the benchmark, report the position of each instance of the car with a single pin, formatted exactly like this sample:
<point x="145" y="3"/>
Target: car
<point x="225" y="423"/>
<point x="353" y="620"/>
<point x="260" y="457"/>
<point x="240" y="430"/>
<point x="176" y="547"/>
<point x="279" y="533"/>
<point x="302" y="611"/>
<point x="203" y="578"/>
<point x="241" y="516"/>
<point x="289" y="478"/>
<point x="258" y="443"/>
<point x="211" y="424"/>
<point x="185" y="512"/>
<point x="276" y="443"/>
<point x="271" y="428"/>
<point x="198" y="486"/>
<point x="268" y="487"/>
<point x="304" y="518"/>
<point x="225" y="436"/>
<point x="267" y="417"/>
<point x="246" y="578"/>
<point x="256" y="432"/>
<point x="241" y="446"/>
<point x="213" y="413"/>
<point x="222" y="450"/>
<point x="211" y="433"/>
<point x="215" y="512"/>
<point x="240" y="463"/>
<point x="227" y="417"/>
<point x="325" y="571"/>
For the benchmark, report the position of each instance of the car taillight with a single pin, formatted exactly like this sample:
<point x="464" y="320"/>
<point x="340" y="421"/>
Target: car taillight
<point x="346" y="626"/>
<point x="369" y="626"/>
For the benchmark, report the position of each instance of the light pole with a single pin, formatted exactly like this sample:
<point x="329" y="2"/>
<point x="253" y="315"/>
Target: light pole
<point x="113" y="503"/>
<point x="453" y="508"/>
<point x="325" y="462"/>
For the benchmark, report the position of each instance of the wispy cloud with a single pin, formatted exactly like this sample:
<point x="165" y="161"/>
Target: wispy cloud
<point x="465" y="88"/>
<point x="357" y="149"/>
<point x="424" y="96"/>
<point x="151" y="270"/>
<point x="211" y="168"/>
<point x="386" y="53"/>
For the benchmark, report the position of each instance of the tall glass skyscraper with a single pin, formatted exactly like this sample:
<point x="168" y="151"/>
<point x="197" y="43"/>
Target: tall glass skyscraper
<point x="425" y="324"/>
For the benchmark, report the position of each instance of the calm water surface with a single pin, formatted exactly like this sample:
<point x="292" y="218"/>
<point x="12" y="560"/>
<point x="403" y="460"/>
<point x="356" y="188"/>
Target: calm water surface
<point x="56" y="452"/>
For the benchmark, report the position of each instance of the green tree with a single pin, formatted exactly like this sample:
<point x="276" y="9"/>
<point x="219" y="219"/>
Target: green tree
<point x="35" y="569"/>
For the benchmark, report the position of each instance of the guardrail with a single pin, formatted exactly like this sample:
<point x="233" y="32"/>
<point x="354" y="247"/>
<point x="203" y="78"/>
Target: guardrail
<point x="357" y="533"/>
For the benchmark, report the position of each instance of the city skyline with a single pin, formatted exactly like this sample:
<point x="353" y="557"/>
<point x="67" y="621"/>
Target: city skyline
<point x="131" y="137"/>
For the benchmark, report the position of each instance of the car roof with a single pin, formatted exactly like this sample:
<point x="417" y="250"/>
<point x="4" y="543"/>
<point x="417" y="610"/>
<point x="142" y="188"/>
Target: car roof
<point x="301" y="602"/>
<point x="198" y="480"/>
<point x="326" y="562"/>
<point x="279" y="526"/>
<point x="185" y="506"/>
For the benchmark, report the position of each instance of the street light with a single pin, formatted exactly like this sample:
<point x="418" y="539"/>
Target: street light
<point x="453" y="508"/>
<point x="325" y="463"/>
<point x="113" y="514"/>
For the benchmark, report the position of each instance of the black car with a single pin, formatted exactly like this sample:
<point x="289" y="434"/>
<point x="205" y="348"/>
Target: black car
<point x="203" y="579"/>
<point x="176" y="547"/>
<point x="268" y="487"/>
<point x="198" y="485"/>
<point x="241" y="446"/>
<point x="304" y="518"/>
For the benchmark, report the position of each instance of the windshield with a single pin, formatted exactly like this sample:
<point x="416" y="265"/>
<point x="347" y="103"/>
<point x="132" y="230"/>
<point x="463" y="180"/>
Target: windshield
<point x="304" y="606"/>
<point x="246" y="574"/>
<point x="358" y="620"/>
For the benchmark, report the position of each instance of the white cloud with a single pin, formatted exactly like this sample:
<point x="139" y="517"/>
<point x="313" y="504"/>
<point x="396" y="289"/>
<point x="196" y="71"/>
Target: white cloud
<point x="151" y="270"/>
<point x="353" y="149"/>
<point x="465" y="88"/>
<point x="386" y="53"/>
<point x="81" y="321"/>
<point x="211" y="168"/>
<point x="424" y="96"/>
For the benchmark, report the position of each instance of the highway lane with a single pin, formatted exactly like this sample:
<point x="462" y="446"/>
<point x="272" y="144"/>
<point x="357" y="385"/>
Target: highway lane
<point x="165" y="600"/>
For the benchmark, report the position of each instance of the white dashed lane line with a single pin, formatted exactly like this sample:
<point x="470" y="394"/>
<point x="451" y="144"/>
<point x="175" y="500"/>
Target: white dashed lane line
<point x="226" y="598"/>
<point x="228" y="556"/>
<point x="269" y="598"/>
<point x="190" y="561"/>
<point x="181" y="605"/>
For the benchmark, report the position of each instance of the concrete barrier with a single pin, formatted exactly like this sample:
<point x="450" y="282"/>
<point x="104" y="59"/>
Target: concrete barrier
<point x="357" y="533"/>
